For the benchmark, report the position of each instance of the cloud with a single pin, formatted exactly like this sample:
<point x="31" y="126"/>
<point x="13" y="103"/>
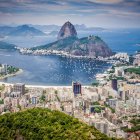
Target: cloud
<point x="79" y="11"/>
<point x="106" y="1"/>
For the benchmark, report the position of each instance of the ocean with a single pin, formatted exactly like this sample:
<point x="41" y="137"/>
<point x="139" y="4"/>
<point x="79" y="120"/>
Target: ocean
<point x="56" y="70"/>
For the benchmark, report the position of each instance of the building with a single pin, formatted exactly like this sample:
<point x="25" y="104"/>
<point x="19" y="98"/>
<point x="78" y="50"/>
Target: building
<point x="122" y="56"/>
<point x="119" y="71"/>
<point x="34" y="100"/>
<point x="19" y="87"/>
<point x="3" y="69"/>
<point x="7" y="101"/>
<point x="101" y="125"/>
<point x="137" y="60"/>
<point x="114" y="84"/>
<point x="112" y="103"/>
<point x="15" y="94"/>
<point x="1" y="108"/>
<point x="68" y="108"/>
<point x="76" y="88"/>
<point x="23" y="102"/>
<point x="15" y="102"/>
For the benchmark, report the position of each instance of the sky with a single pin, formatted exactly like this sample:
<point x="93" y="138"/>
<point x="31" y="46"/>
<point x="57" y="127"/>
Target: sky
<point x="92" y="13"/>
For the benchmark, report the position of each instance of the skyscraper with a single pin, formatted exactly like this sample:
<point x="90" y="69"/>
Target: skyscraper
<point x="76" y="88"/>
<point x="114" y="84"/>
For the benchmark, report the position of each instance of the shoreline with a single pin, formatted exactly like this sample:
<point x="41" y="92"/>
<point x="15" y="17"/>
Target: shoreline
<point x="41" y="86"/>
<point x="10" y="75"/>
<point x="41" y="52"/>
<point x="54" y="86"/>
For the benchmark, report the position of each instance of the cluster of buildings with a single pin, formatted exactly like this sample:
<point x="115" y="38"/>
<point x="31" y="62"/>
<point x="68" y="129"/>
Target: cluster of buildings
<point x="105" y="106"/>
<point x="137" y="60"/>
<point x="121" y="56"/>
<point x="27" y="51"/>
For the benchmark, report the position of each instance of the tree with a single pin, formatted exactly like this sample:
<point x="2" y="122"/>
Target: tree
<point x="40" y="123"/>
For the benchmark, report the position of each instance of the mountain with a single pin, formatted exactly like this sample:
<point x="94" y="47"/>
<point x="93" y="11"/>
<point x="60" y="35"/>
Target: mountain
<point x="68" y="41"/>
<point x="92" y="46"/>
<point x="78" y="27"/>
<point x="67" y="30"/>
<point x="46" y="28"/>
<point x="83" y="27"/>
<point x="26" y="30"/>
<point x="23" y="30"/>
<point x="53" y="33"/>
<point x="44" y="124"/>
<point x="5" y="30"/>
<point x="6" y="46"/>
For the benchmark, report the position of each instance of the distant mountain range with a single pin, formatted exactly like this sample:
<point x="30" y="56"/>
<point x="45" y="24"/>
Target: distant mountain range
<point x="23" y="30"/>
<point x="53" y="33"/>
<point x="50" y="28"/>
<point x="68" y="41"/>
<point x="14" y="30"/>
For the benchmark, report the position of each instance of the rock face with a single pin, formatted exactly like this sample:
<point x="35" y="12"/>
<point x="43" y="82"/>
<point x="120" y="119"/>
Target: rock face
<point x="67" y="30"/>
<point x="92" y="46"/>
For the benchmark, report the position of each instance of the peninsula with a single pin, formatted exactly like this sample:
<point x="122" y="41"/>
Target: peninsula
<point x="8" y="71"/>
<point x="69" y="44"/>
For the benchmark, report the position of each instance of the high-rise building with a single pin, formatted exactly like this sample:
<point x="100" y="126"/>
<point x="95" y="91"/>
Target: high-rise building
<point x="34" y="100"/>
<point x="102" y="126"/>
<point x="112" y="103"/>
<point x="19" y="88"/>
<point x="5" y="66"/>
<point x="76" y="88"/>
<point x="114" y="84"/>
<point x="3" y="69"/>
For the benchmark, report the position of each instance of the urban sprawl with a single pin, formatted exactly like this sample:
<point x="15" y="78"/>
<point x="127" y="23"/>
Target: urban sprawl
<point x="112" y="104"/>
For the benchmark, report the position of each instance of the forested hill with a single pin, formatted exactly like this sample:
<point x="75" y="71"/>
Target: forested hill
<point x="43" y="124"/>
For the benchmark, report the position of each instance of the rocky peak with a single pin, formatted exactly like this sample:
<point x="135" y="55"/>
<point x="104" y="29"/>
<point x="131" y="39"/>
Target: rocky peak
<point x="67" y="30"/>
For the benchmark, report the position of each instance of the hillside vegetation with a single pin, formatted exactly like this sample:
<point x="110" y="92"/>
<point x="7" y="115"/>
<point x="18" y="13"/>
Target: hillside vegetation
<point x="133" y="70"/>
<point x="86" y="46"/>
<point x="43" y="124"/>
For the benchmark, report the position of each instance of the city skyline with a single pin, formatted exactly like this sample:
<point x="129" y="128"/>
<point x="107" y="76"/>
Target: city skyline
<point x="93" y="13"/>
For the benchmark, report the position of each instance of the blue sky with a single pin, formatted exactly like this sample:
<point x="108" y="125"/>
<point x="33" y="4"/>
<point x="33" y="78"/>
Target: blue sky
<point x="95" y="13"/>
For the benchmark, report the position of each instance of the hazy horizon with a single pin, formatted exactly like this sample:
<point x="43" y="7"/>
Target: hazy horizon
<point x="92" y="13"/>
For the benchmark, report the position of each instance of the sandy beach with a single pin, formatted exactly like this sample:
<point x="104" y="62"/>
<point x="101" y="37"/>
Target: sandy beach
<point x="39" y="86"/>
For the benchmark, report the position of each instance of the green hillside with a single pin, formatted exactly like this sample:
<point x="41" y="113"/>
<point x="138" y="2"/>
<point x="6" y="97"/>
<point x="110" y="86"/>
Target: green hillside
<point x="43" y="124"/>
<point x="58" y="45"/>
<point x="87" y="46"/>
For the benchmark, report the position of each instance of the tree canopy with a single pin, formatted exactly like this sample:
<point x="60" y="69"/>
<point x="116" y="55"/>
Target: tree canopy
<point x="44" y="124"/>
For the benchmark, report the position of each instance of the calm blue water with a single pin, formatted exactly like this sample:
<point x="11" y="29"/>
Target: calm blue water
<point x="55" y="70"/>
<point x="52" y="70"/>
<point x="120" y="40"/>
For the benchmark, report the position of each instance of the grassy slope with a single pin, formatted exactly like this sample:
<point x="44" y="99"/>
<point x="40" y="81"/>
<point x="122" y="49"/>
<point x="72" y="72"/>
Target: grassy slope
<point x="39" y="124"/>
